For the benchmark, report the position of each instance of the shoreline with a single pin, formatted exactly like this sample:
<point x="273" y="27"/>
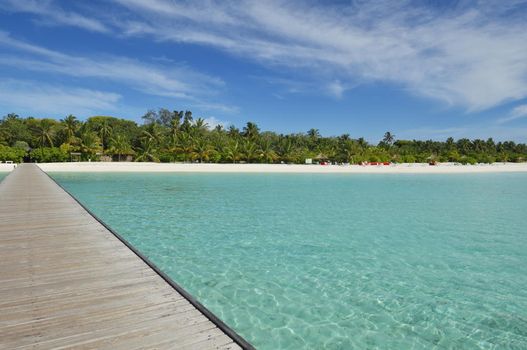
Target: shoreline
<point x="414" y="168"/>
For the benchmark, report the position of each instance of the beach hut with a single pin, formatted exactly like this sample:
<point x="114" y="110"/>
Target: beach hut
<point x="432" y="160"/>
<point x="124" y="156"/>
<point x="75" y="156"/>
<point x="321" y="159"/>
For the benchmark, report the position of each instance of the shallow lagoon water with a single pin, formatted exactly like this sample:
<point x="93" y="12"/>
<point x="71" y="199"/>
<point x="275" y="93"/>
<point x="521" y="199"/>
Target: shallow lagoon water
<point x="312" y="261"/>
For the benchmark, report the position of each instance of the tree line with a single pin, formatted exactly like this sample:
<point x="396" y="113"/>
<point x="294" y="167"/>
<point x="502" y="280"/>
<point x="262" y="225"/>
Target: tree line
<point x="176" y="136"/>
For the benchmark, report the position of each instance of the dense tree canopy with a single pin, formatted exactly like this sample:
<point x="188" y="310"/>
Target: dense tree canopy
<point x="167" y="136"/>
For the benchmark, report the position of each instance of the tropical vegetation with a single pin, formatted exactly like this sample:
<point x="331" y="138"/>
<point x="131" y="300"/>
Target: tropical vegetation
<point x="176" y="136"/>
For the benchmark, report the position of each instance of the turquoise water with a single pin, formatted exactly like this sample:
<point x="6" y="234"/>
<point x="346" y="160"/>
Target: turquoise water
<point x="335" y="261"/>
<point x="3" y="174"/>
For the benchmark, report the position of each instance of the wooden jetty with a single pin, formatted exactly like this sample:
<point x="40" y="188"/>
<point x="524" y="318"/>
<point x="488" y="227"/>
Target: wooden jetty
<point x="67" y="281"/>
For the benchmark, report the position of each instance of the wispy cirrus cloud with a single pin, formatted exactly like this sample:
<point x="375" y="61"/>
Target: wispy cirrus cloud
<point x="470" y="54"/>
<point x="518" y="112"/>
<point x="35" y="98"/>
<point x="176" y="81"/>
<point x="334" y="88"/>
<point x="463" y="55"/>
<point x="50" y="13"/>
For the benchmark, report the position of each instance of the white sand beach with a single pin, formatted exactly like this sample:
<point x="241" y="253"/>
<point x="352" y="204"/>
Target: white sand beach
<point x="418" y="168"/>
<point x="6" y="167"/>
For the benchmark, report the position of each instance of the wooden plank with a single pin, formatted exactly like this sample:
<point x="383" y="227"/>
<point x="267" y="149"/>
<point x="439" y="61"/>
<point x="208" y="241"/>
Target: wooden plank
<point x="66" y="281"/>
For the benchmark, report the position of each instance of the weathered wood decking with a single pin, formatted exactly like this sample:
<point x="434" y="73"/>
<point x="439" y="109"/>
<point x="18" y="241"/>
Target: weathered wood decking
<point x="67" y="282"/>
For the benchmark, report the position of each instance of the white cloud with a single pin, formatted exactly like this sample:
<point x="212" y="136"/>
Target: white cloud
<point x="51" y="14"/>
<point x="288" y="86"/>
<point x="170" y="81"/>
<point x="469" y="54"/>
<point x="220" y="107"/>
<point x="518" y="112"/>
<point x="464" y="56"/>
<point x="336" y="89"/>
<point x="213" y="122"/>
<point x="35" y="98"/>
<point x="166" y="80"/>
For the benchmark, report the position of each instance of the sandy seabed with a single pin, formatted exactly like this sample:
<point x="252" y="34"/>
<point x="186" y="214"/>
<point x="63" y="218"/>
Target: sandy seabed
<point x="416" y="168"/>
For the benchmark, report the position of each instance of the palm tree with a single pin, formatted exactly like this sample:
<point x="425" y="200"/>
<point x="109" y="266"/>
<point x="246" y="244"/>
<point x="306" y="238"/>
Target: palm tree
<point x="491" y="144"/>
<point x="329" y="152"/>
<point x="218" y="141"/>
<point x="120" y="145"/>
<point x="152" y="134"/>
<point x="12" y="116"/>
<point x="351" y="149"/>
<point x="184" y="146"/>
<point x="362" y="143"/>
<point x="232" y="151"/>
<point x="202" y="150"/>
<point x="479" y="145"/>
<point x="249" y="150"/>
<point x="70" y="127"/>
<point x="267" y="154"/>
<point x="146" y="152"/>
<point x="218" y="128"/>
<point x="187" y="121"/>
<point x="45" y="133"/>
<point x="464" y="145"/>
<point x="200" y="126"/>
<point x="105" y="132"/>
<point x="89" y="143"/>
<point x="344" y="137"/>
<point x="174" y="126"/>
<point x="233" y="131"/>
<point x="251" y="131"/>
<point x="388" y="138"/>
<point x="313" y="139"/>
<point x="285" y="150"/>
<point x="313" y="134"/>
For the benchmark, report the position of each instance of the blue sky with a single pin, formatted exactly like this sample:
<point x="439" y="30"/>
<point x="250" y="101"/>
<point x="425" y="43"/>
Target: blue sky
<point x="428" y="69"/>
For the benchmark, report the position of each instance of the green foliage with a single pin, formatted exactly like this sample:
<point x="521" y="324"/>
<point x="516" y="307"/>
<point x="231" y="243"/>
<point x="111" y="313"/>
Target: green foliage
<point x="13" y="154"/>
<point x="49" y="155"/>
<point x="468" y="160"/>
<point x="23" y="145"/>
<point x="169" y="136"/>
<point x="120" y="146"/>
<point x="409" y="158"/>
<point x="485" y="158"/>
<point x="13" y="128"/>
<point x="89" y="144"/>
